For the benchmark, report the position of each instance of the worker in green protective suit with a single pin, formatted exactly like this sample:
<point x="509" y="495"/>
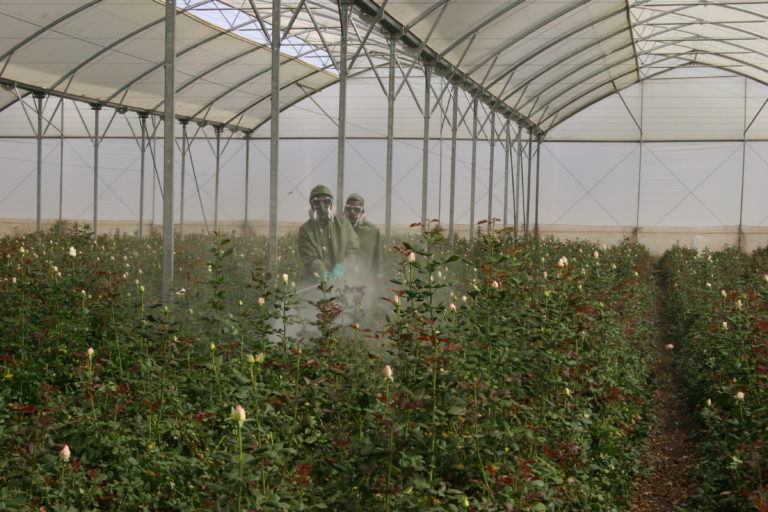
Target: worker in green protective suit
<point x="368" y="233"/>
<point x="328" y="245"/>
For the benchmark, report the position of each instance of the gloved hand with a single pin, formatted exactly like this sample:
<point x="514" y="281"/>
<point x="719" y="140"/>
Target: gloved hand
<point x="338" y="271"/>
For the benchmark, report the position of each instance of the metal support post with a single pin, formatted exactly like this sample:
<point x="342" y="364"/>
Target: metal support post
<point x="39" y="135"/>
<point x="740" y="237"/>
<point x="344" y="10"/>
<point x="520" y="154"/>
<point x="538" y="175"/>
<point x="454" y="131"/>
<point x="217" y="130"/>
<point x="169" y="147"/>
<point x="274" y="141"/>
<point x="425" y="146"/>
<point x="473" y="172"/>
<point x="507" y="172"/>
<point x="61" y="163"/>
<point x="390" y="139"/>
<point x="96" y="108"/>
<point x="639" y="164"/>
<point x="246" y="227"/>
<point x="490" y="170"/>
<point x="515" y="191"/>
<point x="528" y="195"/>
<point x="142" y="169"/>
<point x="184" y="123"/>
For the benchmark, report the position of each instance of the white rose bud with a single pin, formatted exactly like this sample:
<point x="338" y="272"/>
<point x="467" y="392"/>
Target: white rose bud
<point x="387" y="372"/>
<point x="64" y="453"/>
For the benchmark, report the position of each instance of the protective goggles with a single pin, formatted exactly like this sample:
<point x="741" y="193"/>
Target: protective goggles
<point x="321" y="202"/>
<point x="354" y="209"/>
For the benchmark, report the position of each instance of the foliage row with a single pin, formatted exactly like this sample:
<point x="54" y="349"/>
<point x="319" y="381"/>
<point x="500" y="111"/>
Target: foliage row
<point x="512" y="376"/>
<point x="717" y="304"/>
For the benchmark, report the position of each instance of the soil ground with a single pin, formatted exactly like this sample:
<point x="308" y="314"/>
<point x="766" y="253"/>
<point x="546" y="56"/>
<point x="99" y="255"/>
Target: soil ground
<point x="672" y="453"/>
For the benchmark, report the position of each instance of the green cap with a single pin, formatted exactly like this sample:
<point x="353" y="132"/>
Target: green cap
<point x="356" y="197"/>
<point x="320" y="190"/>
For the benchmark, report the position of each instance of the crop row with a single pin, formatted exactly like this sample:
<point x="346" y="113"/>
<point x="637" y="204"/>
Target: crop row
<point x="717" y="304"/>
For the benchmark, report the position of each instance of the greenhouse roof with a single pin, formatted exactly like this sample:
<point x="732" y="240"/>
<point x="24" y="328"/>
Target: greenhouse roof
<point x="536" y="62"/>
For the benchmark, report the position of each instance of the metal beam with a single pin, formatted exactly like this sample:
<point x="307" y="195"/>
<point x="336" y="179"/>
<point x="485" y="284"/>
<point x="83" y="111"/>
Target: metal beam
<point x="274" y="142"/>
<point x="390" y="139"/>
<point x="61" y="163"/>
<point x="473" y="173"/>
<point x="184" y="147"/>
<point x="169" y="146"/>
<point x="246" y="227"/>
<point x="39" y="135"/>
<point x="743" y="169"/>
<point x="217" y="130"/>
<point x="538" y="176"/>
<point x="507" y="172"/>
<point x="490" y="170"/>
<point x="425" y="144"/>
<point x="344" y="12"/>
<point x="96" y="139"/>
<point x="454" y="130"/>
<point x="528" y="195"/>
<point x="142" y="164"/>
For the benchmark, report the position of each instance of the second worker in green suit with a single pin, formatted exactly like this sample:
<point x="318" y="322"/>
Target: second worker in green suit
<point x="367" y="233"/>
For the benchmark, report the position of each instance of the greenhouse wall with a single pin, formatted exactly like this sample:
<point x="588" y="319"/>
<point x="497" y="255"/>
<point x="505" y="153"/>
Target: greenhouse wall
<point x="659" y="193"/>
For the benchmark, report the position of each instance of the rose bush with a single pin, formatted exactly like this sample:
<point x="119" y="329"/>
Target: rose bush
<point x="509" y="375"/>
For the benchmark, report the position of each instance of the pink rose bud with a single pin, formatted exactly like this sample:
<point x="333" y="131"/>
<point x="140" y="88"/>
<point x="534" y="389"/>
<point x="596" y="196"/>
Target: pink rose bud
<point x="411" y="257"/>
<point x="387" y="371"/>
<point x="669" y="346"/>
<point x="238" y="415"/>
<point x="260" y="301"/>
<point x="90" y="352"/>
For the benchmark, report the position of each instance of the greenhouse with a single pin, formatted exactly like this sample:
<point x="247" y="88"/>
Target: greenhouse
<point x="384" y="254"/>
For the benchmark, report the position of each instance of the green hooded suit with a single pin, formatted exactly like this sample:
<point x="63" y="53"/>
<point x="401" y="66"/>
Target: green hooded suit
<point x="370" y="241"/>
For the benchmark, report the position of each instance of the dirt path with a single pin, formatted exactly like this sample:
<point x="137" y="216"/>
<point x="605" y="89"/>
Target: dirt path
<point x="672" y="452"/>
